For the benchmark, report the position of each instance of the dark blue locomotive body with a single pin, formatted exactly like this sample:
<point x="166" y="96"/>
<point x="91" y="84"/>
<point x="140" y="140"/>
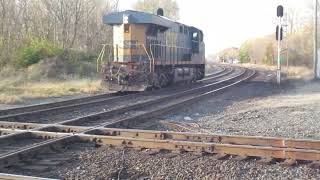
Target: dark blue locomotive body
<point x="150" y="51"/>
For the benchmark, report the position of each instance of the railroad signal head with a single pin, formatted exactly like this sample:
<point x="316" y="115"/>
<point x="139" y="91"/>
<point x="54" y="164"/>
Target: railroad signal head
<point x="160" y="12"/>
<point x="277" y="33"/>
<point x="280" y="11"/>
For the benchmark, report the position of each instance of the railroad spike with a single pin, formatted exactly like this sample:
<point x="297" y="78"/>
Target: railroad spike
<point x="170" y="155"/>
<point x="266" y="160"/>
<point x="151" y="152"/>
<point x="221" y="156"/>
<point x="200" y="153"/>
<point x="179" y="151"/>
<point x="289" y="162"/>
<point x="240" y="158"/>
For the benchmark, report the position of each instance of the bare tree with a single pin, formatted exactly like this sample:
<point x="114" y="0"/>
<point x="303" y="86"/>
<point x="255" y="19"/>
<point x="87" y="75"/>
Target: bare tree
<point x="75" y="24"/>
<point x="170" y="7"/>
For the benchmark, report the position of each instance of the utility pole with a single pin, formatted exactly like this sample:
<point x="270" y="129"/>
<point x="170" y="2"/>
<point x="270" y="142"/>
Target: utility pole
<point x="315" y="51"/>
<point x="279" y="34"/>
<point x="279" y="54"/>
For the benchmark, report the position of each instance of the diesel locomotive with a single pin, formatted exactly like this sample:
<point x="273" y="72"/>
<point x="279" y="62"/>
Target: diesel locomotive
<point x="150" y="50"/>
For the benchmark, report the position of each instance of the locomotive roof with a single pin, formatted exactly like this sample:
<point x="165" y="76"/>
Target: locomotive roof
<point x="138" y="17"/>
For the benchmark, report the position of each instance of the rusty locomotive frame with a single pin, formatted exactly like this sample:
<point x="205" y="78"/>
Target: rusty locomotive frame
<point x="150" y="50"/>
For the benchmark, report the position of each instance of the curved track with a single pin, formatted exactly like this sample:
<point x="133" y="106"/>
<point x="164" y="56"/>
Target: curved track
<point x="76" y="101"/>
<point x="34" y="142"/>
<point x="73" y="109"/>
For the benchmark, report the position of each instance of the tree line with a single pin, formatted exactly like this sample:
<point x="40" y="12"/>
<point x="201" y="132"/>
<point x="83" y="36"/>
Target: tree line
<point x="297" y="44"/>
<point x="297" y="49"/>
<point x="38" y="27"/>
<point x="31" y="30"/>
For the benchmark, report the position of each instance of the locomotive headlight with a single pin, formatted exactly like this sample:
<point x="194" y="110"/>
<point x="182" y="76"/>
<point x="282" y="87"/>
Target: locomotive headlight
<point x="125" y="19"/>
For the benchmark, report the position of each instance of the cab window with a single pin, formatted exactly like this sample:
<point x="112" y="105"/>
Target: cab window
<point x="126" y="28"/>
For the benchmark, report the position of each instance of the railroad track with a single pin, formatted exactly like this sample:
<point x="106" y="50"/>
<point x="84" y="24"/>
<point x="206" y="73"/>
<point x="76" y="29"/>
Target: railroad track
<point x="36" y="141"/>
<point x="35" y="149"/>
<point x="79" y="101"/>
<point x="127" y="113"/>
<point x="262" y="149"/>
<point x="43" y="106"/>
<point x="73" y="110"/>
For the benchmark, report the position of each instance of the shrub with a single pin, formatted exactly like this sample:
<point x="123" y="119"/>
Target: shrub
<point x="3" y="52"/>
<point x="76" y="55"/>
<point x="34" y="50"/>
<point x="244" y="54"/>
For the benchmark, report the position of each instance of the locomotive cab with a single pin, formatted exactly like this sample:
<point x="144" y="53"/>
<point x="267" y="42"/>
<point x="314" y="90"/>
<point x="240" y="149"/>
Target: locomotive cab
<point x="126" y="70"/>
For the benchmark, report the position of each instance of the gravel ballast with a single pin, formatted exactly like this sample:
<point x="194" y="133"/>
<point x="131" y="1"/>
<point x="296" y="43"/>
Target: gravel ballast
<point x="292" y="113"/>
<point x="106" y="163"/>
<point x="257" y="108"/>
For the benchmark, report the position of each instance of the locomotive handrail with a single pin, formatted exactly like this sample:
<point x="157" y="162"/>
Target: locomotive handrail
<point x="104" y="46"/>
<point x="100" y="57"/>
<point x="150" y="56"/>
<point x="144" y="47"/>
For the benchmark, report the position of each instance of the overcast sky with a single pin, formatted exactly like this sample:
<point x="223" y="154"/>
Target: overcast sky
<point x="227" y="23"/>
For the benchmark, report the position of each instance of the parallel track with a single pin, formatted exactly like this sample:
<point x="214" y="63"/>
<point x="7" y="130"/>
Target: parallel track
<point x="126" y="113"/>
<point x="44" y="106"/>
<point x="55" y="136"/>
<point x="266" y="149"/>
<point x="55" y="112"/>
<point x="74" y="101"/>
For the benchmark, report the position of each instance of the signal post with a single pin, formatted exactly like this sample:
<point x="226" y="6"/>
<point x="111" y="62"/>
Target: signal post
<point x="279" y="36"/>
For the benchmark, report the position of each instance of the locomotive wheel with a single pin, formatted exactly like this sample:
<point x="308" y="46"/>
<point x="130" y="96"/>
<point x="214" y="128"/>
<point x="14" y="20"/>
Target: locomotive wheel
<point x="163" y="80"/>
<point x="200" y="74"/>
<point x="156" y="81"/>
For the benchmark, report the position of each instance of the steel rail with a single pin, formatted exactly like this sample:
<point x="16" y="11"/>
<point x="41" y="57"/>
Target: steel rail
<point x="139" y="139"/>
<point x="225" y="72"/>
<point x="12" y="157"/>
<point x="217" y="138"/>
<point x="205" y="90"/>
<point x="222" y="69"/>
<point x="181" y="142"/>
<point x="61" y="130"/>
<point x="5" y="124"/>
<point x="84" y="118"/>
<point x="147" y="103"/>
<point x="206" y="147"/>
<point x="29" y="108"/>
<point x="64" y="106"/>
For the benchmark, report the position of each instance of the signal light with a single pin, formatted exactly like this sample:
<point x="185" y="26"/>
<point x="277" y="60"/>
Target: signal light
<point x="160" y="12"/>
<point x="280" y="11"/>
